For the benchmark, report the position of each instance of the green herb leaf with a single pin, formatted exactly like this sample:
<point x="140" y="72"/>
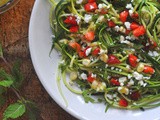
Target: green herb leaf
<point x="14" y="111"/>
<point x="6" y="83"/>
<point x="18" y="77"/>
<point x="87" y="98"/>
<point x="5" y="76"/>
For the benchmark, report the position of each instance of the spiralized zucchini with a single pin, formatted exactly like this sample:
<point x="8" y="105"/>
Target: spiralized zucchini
<point x="109" y="49"/>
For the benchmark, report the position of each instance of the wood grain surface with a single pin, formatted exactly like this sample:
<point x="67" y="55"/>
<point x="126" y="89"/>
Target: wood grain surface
<point x="14" y="38"/>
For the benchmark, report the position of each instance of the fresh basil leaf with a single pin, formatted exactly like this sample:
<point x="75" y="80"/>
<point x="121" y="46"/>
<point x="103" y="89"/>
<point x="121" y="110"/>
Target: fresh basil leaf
<point x="6" y="83"/>
<point x="14" y="111"/>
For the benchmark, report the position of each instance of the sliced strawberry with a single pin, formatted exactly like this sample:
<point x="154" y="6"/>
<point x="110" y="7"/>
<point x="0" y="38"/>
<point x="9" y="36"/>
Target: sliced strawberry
<point x="134" y="25"/>
<point x="127" y="32"/>
<point x="135" y="95"/>
<point x="91" y="1"/>
<point x="71" y="20"/>
<point x="96" y="51"/>
<point x="81" y="54"/>
<point x="90" y="78"/>
<point x="135" y="15"/>
<point x="75" y="46"/>
<point x="111" y="23"/>
<point x="73" y="29"/>
<point x="148" y="70"/>
<point x="139" y="31"/>
<point x="90" y="7"/>
<point x="115" y="82"/>
<point x="113" y="60"/>
<point x="103" y="11"/>
<point x="133" y="60"/>
<point x="89" y="36"/>
<point x="123" y="103"/>
<point x="123" y="16"/>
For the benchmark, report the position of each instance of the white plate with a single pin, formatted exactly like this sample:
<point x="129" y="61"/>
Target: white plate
<point x="46" y="68"/>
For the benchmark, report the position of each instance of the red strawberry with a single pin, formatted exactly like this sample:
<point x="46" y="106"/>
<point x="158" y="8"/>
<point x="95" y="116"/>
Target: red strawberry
<point x="133" y="60"/>
<point x="115" y="82"/>
<point x="113" y="60"/>
<point x="71" y="20"/>
<point x="123" y="16"/>
<point x="123" y="103"/>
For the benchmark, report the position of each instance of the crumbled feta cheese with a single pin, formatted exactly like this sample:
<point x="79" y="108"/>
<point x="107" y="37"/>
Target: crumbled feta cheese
<point x="128" y="67"/>
<point x="121" y="84"/>
<point x="102" y="5"/>
<point x="147" y="44"/>
<point x="93" y="75"/>
<point x="116" y="28"/>
<point x="122" y="38"/>
<point x="127" y="42"/>
<point x="87" y="18"/>
<point x="114" y="95"/>
<point x="155" y="53"/>
<point x="83" y="76"/>
<point x="129" y="76"/>
<point x="112" y="68"/>
<point x="130" y="12"/>
<point x="147" y="78"/>
<point x="129" y="6"/>
<point x="141" y="82"/>
<point x="106" y="65"/>
<point x="120" y="70"/>
<point x="102" y="51"/>
<point x="137" y="76"/>
<point x="131" y="82"/>
<point x="79" y="1"/>
<point x="109" y="96"/>
<point x="127" y="24"/>
<point x="117" y="69"/>
<point x="100" y="19"/>
<point x="88" y="51"/>
<point x="128" y="37"/>
<point x="122" y="79"/>
<point x="78" y="19"/>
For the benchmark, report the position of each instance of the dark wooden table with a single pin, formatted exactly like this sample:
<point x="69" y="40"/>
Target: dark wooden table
<point x="14" y="38"/>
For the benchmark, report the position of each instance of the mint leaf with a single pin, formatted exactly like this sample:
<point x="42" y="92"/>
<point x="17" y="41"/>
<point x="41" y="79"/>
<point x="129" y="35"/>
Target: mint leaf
<point x="14" y="111"/>
<point x="6" y="83"/>
<point x="5" y="76"/>
<point x="16" y="73"/>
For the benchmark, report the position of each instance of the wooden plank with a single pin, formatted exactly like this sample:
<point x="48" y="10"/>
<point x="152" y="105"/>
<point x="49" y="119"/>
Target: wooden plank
<point x="14" y="38"/>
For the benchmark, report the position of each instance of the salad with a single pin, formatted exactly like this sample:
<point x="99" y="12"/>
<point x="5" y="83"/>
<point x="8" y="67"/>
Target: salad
<point x="110" y="49"/>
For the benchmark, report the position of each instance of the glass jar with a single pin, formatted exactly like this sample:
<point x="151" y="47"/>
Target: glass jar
<point x="7" y="4"/>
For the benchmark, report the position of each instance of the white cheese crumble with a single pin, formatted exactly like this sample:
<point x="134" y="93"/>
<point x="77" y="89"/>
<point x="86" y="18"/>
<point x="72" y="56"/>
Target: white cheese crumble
<point x="109" y="96"/>
<point x="102" y="51"/>
<point x="131" y="82"/>
<point x="129" y="6"/>
<point x="122" y="79"/>
<point x="78" y="19"/>
<point x="122" y="38"/>
<point x="153" y="53"/>
<point x="116" y="28"/>
<point x="129" y="76"/>
<point x="137" y="76"/>
<point x="88" y="51"/>
<point x="87" y="18"/>
<point x="130" y="12"/>
<point x="112" y="68"/>
<point x="93" y="75"/>
<point x="83" y="76"/>
<point x="127" y="24"/>
<point x="102" y="5"/>
<point x="79" y="1"/>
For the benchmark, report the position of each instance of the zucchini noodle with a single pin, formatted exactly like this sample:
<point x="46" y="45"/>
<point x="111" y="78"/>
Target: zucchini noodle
<point x="110" y="50"/>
